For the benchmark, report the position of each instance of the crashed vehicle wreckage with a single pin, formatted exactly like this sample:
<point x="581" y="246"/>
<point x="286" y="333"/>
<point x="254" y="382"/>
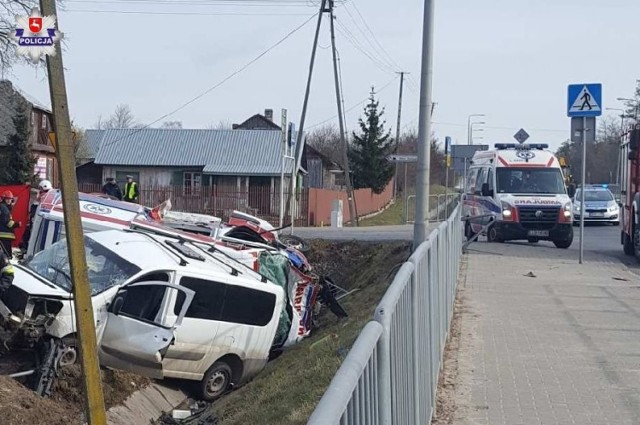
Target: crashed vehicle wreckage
<point x="167" y="303"/>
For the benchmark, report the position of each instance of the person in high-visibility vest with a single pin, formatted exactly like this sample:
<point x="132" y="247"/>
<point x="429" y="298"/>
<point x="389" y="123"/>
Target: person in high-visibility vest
<point x="7" y="225"/>
<point x="6" y="273"/>
<point x="131" y="191"/>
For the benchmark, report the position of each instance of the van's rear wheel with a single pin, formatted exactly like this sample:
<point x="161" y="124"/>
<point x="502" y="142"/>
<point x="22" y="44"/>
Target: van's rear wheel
<point x="216" y="381"/>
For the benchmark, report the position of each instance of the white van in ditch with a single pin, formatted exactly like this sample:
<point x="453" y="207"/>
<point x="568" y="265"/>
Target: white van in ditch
<point x="163" y="308"/>
<point x="522" y="188"/>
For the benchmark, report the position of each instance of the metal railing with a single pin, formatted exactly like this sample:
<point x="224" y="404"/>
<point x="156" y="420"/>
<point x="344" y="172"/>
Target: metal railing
<point x="440" y="206"/>
<point x="390" y="376"/>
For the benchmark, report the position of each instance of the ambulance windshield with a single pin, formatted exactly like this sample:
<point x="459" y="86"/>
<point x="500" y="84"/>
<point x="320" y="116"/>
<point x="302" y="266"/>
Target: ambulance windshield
<point x="530" y="181"/>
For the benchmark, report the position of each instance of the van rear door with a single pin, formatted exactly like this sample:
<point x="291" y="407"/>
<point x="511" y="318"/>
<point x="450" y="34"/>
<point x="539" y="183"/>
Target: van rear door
<point x="137" y="334"/>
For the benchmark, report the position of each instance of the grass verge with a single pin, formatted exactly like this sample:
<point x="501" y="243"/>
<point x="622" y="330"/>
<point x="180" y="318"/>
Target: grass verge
<point x="287" y="391"/>
<point x="393" y="214"/>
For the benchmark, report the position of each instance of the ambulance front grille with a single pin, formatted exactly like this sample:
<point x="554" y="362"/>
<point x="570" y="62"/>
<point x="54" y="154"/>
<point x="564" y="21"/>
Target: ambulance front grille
<point x="538" y="217"/>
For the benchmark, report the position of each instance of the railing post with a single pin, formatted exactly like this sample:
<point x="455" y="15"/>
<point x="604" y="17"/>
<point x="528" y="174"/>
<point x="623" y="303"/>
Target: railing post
<point x="384" y="368"/>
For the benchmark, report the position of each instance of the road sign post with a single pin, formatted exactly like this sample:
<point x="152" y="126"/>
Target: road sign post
<point x="404" y="159"/>
<point x="584" y="100"/>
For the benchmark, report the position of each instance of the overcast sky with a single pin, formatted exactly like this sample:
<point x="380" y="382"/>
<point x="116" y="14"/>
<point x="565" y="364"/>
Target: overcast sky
<point x="508" y="59"/>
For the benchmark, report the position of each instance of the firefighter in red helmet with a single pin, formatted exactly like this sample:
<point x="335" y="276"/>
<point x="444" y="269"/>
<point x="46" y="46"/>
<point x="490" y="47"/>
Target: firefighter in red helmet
<point x="7" y="225"/>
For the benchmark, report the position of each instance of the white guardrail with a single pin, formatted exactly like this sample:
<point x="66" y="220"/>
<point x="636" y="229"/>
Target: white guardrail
<point x="390" y="376"/>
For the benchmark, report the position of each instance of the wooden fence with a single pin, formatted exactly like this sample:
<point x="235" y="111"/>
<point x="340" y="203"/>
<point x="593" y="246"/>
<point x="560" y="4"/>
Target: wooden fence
<point x="259" y="201"/>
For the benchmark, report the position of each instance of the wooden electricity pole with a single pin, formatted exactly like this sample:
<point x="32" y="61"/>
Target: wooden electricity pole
<point x="94" y="407"/>
<point x="343" y="141"/>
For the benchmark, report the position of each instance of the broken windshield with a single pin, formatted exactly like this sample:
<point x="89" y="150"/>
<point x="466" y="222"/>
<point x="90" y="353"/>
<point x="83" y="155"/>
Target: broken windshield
<point x="530" y="180"/>
<point x="105" y="268"/>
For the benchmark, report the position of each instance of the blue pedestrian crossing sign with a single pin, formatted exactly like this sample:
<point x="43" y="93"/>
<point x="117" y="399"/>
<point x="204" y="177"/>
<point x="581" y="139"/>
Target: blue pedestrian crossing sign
<point x="584" y="100"/>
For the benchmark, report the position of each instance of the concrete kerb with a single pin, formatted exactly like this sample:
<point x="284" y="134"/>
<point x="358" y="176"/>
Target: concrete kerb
<point x="146" y="404"/>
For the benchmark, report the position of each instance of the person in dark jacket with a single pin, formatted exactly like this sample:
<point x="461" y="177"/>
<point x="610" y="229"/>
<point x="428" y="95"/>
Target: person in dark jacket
<point x="6" y="273"/>
<point x="112" y="189"/>
<point x="131" y="191"/>
<point x="7" y="225"/>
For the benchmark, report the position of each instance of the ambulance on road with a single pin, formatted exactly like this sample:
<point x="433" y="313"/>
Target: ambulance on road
<point x="519" y="191"/>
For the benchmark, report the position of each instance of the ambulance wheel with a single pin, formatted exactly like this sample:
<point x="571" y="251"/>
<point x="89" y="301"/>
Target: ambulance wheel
<point x="216" y="381"/>
<point x="468" y="231"/>
<point x="627" y="244"/>
<point x="492" y="235"/>
<point x="563" y="244"/>
<point x="616" y="223"/>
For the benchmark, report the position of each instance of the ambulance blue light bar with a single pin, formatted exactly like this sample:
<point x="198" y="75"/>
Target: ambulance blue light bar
<point x="540" y="146"/>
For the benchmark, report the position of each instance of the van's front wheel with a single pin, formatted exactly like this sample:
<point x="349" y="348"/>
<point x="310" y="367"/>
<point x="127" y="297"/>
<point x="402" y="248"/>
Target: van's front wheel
<point x="216" y="381"/>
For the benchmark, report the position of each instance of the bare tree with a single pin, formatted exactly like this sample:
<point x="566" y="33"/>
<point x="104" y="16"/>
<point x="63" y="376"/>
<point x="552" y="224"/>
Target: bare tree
<point x="326" y="140"/>
<point x="221" y="125"/>
<point x="80" y="146"/>
<point x="172" y="124"/>
<point x="8" y="11"/>
<point x="122" y="117"/>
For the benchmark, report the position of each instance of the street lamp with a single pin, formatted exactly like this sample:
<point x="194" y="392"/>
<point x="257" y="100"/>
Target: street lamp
<point x="630" y="101"/>
<point x="469" y="126"/>
<point x="475" y="129"/>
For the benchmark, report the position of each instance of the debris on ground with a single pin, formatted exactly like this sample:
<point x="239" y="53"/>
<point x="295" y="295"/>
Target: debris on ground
<point x="530" y="274"/>
<point x="197" y="414"/>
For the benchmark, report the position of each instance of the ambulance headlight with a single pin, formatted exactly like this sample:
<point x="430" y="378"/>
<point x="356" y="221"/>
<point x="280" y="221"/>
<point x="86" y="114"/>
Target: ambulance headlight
<point x="509" y="213"/>
<point x="566" y="210"/>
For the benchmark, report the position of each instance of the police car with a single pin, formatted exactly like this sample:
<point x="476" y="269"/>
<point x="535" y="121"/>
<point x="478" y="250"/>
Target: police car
<point x="600" y="205"/>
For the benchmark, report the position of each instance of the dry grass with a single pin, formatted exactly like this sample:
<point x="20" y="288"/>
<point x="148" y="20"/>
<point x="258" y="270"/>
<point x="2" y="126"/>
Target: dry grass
<point x="287" y="391"/>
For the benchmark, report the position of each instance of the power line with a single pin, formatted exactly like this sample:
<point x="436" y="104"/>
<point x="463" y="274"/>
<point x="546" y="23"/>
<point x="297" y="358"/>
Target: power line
<point x="354" y="106"/>
<point x="224" y="80"/>
<point x="392" y="62"/>
<point x="342" y="29"/>
<point x="368" y="39"/>
<point x="140" y="12"/>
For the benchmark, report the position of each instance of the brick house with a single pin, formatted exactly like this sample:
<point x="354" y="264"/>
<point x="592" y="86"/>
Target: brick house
<point x="41" y="122"/>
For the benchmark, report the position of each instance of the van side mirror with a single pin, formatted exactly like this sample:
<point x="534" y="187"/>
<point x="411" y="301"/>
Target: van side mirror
<point x="485" y="190"/>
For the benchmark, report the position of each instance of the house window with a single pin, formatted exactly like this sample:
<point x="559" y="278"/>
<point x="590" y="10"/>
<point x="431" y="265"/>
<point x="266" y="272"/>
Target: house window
<point x="44" y="121"/>
<point x="192" y="183"/>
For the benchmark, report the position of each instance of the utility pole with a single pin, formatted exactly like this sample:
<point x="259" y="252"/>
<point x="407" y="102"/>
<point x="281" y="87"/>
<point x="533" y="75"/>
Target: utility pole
<point x="395" y="187"/>
<point x="94" y="399"/>
<point x="300" y="138"/>
<point x="420" y="232"/>
<point x="343" y="141"/>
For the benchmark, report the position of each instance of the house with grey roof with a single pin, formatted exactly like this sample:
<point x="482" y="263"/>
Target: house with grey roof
<point x="12" y="98"/>
<point x="239" y="168"/>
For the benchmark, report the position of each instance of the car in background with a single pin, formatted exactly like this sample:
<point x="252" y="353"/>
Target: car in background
<point x="600" y="205"/>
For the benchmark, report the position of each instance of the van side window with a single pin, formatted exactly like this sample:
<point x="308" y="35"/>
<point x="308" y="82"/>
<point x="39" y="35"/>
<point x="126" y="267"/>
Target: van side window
<point x="248" y="306"/>
<point x="141" y="302"/>
<point x="208" y="299"/>
<point x="226" y="303"/>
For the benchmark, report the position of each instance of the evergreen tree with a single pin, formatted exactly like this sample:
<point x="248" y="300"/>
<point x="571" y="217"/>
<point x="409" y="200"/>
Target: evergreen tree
<point x="369" y="149"/>
<point x="18" y="162"/>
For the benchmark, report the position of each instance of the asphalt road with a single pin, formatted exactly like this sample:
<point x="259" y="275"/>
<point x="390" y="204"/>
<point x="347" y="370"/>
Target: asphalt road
<point x="604" y="239"/>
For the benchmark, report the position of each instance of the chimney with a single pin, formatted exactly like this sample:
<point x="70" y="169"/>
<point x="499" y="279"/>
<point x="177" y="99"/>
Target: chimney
<point x="268" y="113"/>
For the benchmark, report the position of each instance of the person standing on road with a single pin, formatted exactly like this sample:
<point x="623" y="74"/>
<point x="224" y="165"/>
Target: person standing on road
<point x="112" y="189"/>
<point x="131" y="191"/>
<point x="7" y="225"/>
